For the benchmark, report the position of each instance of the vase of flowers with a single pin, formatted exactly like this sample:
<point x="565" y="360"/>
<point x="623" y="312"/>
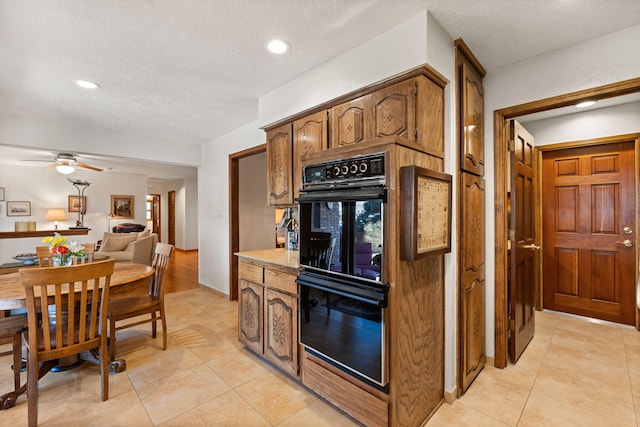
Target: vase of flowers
<point x="63" y="251"/>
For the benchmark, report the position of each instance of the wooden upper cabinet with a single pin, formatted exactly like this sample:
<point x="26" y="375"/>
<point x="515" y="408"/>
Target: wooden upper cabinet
<point x="394" y="110"/>
<point x="279" y="166"/>
<point x="309" y="136"/>
<point x="349" y="122"/>
<point x="472" y="115"/>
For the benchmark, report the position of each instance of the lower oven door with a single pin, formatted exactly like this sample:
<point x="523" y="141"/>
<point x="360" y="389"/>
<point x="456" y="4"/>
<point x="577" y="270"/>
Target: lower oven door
<point x="343" y="324"/>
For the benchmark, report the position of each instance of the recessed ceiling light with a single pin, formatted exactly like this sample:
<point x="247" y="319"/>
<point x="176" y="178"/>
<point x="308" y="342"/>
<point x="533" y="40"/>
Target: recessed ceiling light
<point x="585" y="104"/>
<point x="277" y="46"/>
<point x="86" y="84"/>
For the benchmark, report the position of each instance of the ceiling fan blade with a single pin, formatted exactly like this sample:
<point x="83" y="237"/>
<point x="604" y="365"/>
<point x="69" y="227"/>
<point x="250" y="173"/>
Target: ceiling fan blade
<point x="52" y="165"/>
<point x="82" y="165"/>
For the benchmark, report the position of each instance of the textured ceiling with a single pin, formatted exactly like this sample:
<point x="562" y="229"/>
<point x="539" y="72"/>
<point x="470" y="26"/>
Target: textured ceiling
<point x="192" y="70"/>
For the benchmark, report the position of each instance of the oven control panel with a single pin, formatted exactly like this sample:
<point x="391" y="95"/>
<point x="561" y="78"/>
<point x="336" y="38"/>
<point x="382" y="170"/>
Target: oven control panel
<point x="361" y="168"/>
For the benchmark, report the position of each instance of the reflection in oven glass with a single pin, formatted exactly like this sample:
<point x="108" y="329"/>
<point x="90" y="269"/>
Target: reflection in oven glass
<point x="344" y="329"/>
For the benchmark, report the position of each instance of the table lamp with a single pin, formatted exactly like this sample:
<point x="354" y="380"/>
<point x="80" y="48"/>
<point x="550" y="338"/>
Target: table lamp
<point x="56" y="215"/>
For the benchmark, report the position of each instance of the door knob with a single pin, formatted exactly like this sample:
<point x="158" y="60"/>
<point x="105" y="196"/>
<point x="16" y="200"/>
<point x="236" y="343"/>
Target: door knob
<point x="532" y="246"/>
<point x="627" y="243"/>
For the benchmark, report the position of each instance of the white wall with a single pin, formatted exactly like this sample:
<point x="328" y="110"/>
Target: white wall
<point x="46" y="188"/>
<point x="609" y="121"/>
<point x="256" y="220"/>
<point x="604" y="60"/>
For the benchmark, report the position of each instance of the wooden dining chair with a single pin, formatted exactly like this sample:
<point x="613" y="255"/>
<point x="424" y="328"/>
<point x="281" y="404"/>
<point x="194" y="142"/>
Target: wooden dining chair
<point x="73" y="320"/>
<point x="128" y="307"/>
<point x="89" y="250"/>
<point x="45" y="256"/>
<point x="11" y="327"/>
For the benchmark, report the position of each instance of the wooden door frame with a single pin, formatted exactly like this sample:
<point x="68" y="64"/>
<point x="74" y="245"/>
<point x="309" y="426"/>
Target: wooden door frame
<point x="501" y="159"/>
<point x="234" y="214"/>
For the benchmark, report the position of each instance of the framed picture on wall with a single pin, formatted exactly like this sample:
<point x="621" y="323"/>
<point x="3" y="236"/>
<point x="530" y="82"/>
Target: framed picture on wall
<point x="77" y="203"/>
<point x="425" y="213"/>
<point x="122" y="206"/>
<point x="18" y="208"/>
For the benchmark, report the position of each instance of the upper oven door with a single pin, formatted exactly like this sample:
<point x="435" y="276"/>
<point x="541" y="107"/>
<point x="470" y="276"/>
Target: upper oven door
<point x="342" y="231"/>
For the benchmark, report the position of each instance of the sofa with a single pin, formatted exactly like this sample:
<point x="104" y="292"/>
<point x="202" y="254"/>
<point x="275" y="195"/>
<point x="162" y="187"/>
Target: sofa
<point x="135" y="247"/>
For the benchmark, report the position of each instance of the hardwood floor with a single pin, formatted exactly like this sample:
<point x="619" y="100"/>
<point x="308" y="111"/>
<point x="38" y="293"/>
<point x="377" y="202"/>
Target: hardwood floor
<point x="182" y="273"/>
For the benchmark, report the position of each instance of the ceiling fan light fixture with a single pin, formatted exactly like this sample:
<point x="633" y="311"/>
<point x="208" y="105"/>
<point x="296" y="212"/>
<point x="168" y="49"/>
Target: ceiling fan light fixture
<point x="87" y="84"/>
<point x="65" y="169"/>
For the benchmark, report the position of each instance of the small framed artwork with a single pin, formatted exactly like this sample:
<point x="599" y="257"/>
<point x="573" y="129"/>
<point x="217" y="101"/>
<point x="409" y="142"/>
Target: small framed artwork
<point x="425" y="213"/>
<point x="122" y="206"/>
<point x="18" y="208"/>
<point x="77" y="204"/>
<point x="1" y="194"/>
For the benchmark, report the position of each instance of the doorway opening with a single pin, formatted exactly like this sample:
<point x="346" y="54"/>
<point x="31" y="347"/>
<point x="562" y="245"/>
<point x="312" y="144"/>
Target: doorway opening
<point x="234" y="214"/>
<point x="501" y="173"/>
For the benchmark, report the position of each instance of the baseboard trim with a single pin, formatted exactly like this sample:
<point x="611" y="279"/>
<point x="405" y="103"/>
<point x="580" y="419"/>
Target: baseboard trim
<point x="451" y="396"/>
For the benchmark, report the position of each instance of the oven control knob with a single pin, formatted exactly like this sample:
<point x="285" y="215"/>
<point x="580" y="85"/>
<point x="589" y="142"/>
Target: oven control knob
<point x="354" y="168"/>
<point x="336" y="171"/>
<point x="363" y="167"/>
<point x="345" y="170"/>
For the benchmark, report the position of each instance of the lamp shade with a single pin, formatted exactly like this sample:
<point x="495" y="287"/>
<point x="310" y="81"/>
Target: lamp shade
<point x="65" y="169"/>
<point x="56" y="215"/>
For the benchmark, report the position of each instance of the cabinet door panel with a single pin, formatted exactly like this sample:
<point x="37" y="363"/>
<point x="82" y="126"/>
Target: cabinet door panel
<point x="472" y="273"/>
<point x="281" y="322"/>
<point x="309" y="136"/>
<point x="279" y="165"/>
<point x="394" y="111"/>
<point x="472" y="132"/>
<point x="250" y="315"/>
<point x="349" y="122"/>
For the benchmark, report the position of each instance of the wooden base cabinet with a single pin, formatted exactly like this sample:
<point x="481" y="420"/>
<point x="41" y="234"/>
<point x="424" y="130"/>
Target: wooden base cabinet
<point x="268" y="313"/>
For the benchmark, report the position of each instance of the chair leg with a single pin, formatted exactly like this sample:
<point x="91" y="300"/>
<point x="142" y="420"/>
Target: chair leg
<point x="112" y="340"/>
<point x="17" y="359"/>
<point x="32" y="389"/>
<point x="164" y="331"/>
<point x="104" y="371"/>
<point x="154" y="328"/>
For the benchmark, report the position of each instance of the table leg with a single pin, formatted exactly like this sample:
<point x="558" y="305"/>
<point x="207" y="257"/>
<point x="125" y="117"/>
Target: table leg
<point x="8" y="400"/>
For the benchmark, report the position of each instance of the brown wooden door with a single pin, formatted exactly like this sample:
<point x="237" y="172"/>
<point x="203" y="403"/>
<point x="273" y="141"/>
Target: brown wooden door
<point x="279" y="165"/>
<point x="472" y="116"/>
<point x="394" y="110"/>
<point x="523" y="242"/>
<point x="171" y="217"/>
<point x="472" y="277"/>
<point x="349" y="122"/>
<point x="589" y="211"/>
<point x="155" y="215"/>
<point x="309" y="136"/>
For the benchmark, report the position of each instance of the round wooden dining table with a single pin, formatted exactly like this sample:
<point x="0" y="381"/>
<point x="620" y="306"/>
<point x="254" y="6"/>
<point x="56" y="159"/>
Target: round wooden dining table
<point x="127" y="277"/>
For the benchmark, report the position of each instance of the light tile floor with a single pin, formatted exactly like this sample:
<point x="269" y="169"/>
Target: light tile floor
<point x="574" y="373"/>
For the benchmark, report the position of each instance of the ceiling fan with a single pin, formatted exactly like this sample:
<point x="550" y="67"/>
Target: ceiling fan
<point x="66" y="163"/>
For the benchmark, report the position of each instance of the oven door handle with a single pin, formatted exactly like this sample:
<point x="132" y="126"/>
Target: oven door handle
<point x="379" y="299"/>
<point x="344" y="195"/>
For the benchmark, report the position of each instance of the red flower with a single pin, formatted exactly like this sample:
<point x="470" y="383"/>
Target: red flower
<point x="60" y="250"/>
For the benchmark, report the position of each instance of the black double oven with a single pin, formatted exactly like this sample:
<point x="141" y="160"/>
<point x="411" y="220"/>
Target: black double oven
<point x="341" y="286"/>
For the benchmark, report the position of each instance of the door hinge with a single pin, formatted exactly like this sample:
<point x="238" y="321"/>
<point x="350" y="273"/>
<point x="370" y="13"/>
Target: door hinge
<point x="415" y="90"/>
<point x="511" y="235"/>
<point x="511" y="145"/>
<point x="512" y="325"/>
